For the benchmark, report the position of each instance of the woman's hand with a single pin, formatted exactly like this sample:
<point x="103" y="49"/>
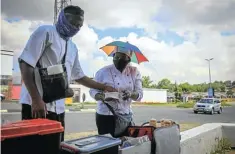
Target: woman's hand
<point x="127" y="95"/>
<point x="101" y="97"/>
<point x="134" y="96"/>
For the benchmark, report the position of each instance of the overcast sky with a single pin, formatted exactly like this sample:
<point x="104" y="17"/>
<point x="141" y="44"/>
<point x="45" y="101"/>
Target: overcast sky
<point x="175" y="35"/>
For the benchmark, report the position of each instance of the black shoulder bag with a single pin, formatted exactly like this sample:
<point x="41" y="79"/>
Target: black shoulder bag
<point x="55" y="86"/>
<point x="121" y="122"/>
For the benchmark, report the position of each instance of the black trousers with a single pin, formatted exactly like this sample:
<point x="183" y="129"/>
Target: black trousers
<point x="26" y="114"/>
<point x="105" y="124"/>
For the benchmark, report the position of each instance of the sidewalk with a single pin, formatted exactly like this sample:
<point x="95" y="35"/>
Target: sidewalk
<point x="9" y="107"/>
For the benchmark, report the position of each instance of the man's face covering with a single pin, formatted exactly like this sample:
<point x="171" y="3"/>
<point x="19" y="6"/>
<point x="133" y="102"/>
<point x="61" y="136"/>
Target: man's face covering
<point x="70" y="21"/>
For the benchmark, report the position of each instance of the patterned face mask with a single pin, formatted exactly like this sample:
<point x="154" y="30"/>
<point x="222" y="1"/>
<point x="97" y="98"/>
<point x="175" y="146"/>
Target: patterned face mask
<point x="69" y="24"/>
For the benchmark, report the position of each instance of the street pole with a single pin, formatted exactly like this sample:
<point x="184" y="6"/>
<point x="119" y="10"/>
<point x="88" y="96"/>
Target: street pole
<point x="209" y="60"/>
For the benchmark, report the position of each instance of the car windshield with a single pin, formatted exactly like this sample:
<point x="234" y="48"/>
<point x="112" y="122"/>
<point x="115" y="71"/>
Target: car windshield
<point x="206" y="101"/>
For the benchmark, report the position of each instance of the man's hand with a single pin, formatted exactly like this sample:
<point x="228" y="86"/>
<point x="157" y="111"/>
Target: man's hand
<point x="85" y="81"/>
<point x="38" y="109"/>
<point x="109" y="89"/>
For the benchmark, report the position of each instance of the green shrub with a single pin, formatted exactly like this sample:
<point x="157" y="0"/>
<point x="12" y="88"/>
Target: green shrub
<point x="186" y="105"/>
<point x="225" y="104"/>
<point x="222" y="147"/>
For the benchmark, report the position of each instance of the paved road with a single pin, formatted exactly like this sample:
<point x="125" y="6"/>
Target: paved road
<point x="85" y="121"/>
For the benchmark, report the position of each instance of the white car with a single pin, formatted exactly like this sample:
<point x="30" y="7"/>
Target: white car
<point x="208" y="105"/>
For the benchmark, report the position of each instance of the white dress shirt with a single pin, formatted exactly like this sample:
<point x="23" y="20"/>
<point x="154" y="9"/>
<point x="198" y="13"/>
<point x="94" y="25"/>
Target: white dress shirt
<point x="52" y="55"/>
<point x="129" y="79"/>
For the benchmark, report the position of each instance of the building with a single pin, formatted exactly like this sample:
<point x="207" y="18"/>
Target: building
<point x="150" y="95"/>
<point x="6" y="66"/>
<point x="154" y="95"/>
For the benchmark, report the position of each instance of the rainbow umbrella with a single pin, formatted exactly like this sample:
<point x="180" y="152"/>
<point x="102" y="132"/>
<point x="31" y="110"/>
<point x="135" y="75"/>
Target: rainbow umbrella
<point x="137" y="56"/>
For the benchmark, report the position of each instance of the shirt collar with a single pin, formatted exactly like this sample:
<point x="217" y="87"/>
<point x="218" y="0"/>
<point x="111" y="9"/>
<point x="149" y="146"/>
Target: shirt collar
<point x="125" y="71"/>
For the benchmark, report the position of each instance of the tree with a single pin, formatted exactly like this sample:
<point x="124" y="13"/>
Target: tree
<point x="233" y="83"/>
<point x="186" y="87"/>
<point x="178" y="92"/>
<point x="230" y="92"/>
<point x="219" y="86"/>
<point x="164" y="84"/>
<point x="228" y="83"/>
<point x="146" y="82"/>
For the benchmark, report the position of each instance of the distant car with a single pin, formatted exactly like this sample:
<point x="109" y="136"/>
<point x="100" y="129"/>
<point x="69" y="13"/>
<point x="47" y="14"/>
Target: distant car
<point x="2" y="97"/>
<point x="208" y="105"/>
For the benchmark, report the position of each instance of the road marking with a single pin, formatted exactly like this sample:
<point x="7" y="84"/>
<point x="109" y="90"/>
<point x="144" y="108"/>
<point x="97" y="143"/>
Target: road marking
<point x="4" y="111"/>
<point x="10" y="113"/>
<point x="88" y="110"/>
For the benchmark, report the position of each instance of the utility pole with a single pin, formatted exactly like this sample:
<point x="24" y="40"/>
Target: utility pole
<point x="210" y="89"/>
<point x="209" y="60"/>
<point x="58" y="6"/>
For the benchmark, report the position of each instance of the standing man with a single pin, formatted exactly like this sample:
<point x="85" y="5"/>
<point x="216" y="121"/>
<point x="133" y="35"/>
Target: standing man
<point x="46" y="47"/>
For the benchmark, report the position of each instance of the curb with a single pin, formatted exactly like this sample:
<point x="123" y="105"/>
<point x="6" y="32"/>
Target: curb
<point x="88" y="110"/>
<point x="66" y="110"/>
<point x="4" y="111"/>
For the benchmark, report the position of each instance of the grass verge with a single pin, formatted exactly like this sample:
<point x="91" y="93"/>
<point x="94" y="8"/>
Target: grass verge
<point x="70" y="136"/>
<point x="190" y="105"/>
<point x="134" y="104"/>
<point x="156" y="104"/>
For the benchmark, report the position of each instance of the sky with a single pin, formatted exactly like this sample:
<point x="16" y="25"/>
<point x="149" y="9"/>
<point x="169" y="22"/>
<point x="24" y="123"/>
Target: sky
<point x="175" y="35"/>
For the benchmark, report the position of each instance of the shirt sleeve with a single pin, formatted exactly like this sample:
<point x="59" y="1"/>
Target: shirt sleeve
<point x="138" y="85"/>
<point x="98" y="78"/>
<point x="77" y="72"/>
<point x="35" y="46"/>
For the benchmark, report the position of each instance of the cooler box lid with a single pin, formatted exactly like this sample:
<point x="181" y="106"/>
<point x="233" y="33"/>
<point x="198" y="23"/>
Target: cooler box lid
<point x="30" y="127"/>
<point x="90" y="144"/>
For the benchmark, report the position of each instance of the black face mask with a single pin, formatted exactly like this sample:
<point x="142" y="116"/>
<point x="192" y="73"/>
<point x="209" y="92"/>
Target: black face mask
<point x="120" y="64"/>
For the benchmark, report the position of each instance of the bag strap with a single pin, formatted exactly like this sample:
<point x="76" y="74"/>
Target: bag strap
<point x="111" y="109"/>
<point x="46" y="47"/>
<point x="64" y="57"/>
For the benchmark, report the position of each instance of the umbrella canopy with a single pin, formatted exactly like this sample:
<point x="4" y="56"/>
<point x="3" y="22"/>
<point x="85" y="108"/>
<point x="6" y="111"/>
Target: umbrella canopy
<point x="137" y="56"/>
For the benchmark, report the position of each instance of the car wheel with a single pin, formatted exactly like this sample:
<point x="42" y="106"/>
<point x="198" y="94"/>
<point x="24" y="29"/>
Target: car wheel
<point x="220" y="111"/>
<point x="212" y="111"/>
<point x="195" y="112"/>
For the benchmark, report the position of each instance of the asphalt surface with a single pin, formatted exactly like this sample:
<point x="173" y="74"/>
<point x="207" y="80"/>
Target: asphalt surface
<point x="85" y="121"/>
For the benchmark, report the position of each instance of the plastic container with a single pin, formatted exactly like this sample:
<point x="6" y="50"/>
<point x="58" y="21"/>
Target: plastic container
<point x="98" y="144"/>
<point x="143" y="148"/>
<point x="167" y="140"/>
<point x="139" y="145"/>
<point x="37" y="136"/>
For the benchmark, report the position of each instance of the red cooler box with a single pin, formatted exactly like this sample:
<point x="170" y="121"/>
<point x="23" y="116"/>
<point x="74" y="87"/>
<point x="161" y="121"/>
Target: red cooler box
<point x="37" y="136"/>
<point x="98" y="144"/>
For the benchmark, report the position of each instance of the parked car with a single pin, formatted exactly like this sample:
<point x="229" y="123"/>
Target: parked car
<point x="2" y="97"/>
<point x="208" y="105"/>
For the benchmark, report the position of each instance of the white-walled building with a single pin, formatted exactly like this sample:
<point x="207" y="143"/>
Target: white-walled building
<point x="6" y="62"/>
<point x="150" y="95"/>
<point x="79" y="91"/>
<point x="6" y="66"/>
<point x="154" y="95"/>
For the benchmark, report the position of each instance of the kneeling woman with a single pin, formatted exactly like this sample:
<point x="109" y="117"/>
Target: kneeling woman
<point x="127" y="80"/>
